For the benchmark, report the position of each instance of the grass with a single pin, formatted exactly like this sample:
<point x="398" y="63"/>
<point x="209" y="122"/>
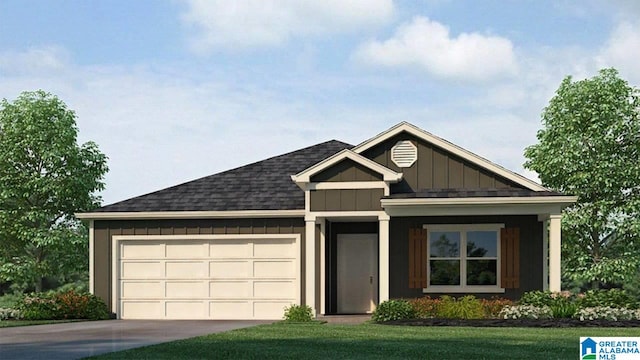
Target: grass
<point x="14" y="323"/>
<point x="370" y="341"/>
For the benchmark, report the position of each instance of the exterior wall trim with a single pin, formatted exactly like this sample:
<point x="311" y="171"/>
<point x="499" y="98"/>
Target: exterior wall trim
<point x="471" y="289"/>
<point x="304" y="177"/>
<point x="452" y="148"/>
<point x="335" y="185"/>
<point x="115" y="254"/>
<point x="154" y="215"/>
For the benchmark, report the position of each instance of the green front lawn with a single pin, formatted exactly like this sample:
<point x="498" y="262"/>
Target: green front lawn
<point x="369" y="341"/>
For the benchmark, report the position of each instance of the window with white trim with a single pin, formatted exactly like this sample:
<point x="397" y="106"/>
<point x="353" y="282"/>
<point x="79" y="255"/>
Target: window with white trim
<point x="463" y="257"/>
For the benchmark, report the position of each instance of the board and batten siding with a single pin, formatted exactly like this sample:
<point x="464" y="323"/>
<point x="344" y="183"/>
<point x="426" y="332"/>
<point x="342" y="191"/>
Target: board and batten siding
<point x="435" y="169"/>
<point x="346" y="200"/>
<point x="530" y="251"/>
<point x="347" y="170"/>
<point x="105" y="230"/>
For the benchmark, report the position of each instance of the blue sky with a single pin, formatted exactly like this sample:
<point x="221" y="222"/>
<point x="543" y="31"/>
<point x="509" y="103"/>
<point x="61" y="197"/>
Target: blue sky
<point x="175" y="90"/>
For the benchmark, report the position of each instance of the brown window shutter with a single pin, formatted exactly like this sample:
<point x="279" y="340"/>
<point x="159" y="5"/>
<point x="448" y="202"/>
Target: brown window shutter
<point x="417" y="258"/>
<point x="510" y="258"/>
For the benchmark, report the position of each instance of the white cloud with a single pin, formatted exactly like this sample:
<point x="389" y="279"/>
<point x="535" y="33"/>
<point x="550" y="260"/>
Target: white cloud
<point x="254" y="23"/>
<point x="622" y="51"/>
<point x="35" y="59"/>
<point x="429" y="45"/>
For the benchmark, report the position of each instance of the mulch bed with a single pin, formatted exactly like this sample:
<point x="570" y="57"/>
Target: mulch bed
<point x="541" y="323"/>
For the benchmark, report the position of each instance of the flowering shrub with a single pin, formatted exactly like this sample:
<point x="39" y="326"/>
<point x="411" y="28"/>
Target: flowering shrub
<point x="525" y="312"/>
<point x="393" y="310"/>
<point x="607" y="313"/>
<point x="9" y="314"/>
<point x="425" y="307"/>
<point x="65" y="305"/>
<point x="493" y="306"/>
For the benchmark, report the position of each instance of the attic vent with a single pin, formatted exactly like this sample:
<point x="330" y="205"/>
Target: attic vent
<point x="404" y="154"/>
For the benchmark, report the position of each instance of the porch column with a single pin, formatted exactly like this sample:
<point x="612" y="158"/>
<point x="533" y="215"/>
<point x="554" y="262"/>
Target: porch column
<point x="545" y="254"/>
<point x="310" y="264"/>
<point x="383" y="259"/>
<point x="555" y="283"/>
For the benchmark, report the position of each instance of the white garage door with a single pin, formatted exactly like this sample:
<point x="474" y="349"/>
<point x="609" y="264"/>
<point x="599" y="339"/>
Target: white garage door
<point x="206" y="277"/>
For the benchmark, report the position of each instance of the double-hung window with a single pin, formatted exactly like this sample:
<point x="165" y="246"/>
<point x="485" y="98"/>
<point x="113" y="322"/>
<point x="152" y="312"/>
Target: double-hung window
<point x="463" y="258"/>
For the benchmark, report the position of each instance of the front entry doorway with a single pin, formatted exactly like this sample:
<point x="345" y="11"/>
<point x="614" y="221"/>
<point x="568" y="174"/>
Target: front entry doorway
<point x="357" y="273"/>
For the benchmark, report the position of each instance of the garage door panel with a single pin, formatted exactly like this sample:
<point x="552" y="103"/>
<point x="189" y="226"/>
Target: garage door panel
<point x="187" y="250"/>
<point x="269" y="309"/>
<point x="186" y="310"/>
<point x="274" y="249"/>
<point x="141" y="270"/>
<point x="142" y="289"/>
<point x="186" y="289"/>
<point x="230" y="269"/>
<point x="273" y="289"/>
<point x="230" y="310"/>
<point x="142" y="310"/>
<point x="277" y="269"/>
<point x="142" y="250"/>
<point x="228" y="249"/>
<point x="230" y="289"/>
<point x="186" y="269"/>
<point x="191" y="278"/>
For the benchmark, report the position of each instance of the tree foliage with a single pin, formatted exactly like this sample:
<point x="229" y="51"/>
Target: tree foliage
<point x="590" y="147"/>
<point x="45" y="177"/>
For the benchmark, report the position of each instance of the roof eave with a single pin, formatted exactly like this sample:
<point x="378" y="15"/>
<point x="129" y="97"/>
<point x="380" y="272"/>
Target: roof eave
<point x="158" y="215"/>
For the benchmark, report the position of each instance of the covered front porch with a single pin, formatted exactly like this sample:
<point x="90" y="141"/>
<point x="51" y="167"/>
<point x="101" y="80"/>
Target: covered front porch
<point x="538" y="221"/>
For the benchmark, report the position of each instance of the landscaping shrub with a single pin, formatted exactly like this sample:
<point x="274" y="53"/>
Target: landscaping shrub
<point x="537" y="298"/>
<point x="298" y="313"/>
<point x="65" y="305"/>
<point x="38" y="307"/>
<point x="562" y="304"/>
<point x="615" y="298"/>
<point x="394" y="310"/>
<point x="607" y="313"/>
<point x="466" y="307"/>
<point x="563" y="308"/>
<point x="9" y="314"/>
<point x="425" y="307"/>
<point x="9" y="300"/>
<point x="493" y="306"/>
<point x="525" y="312"/>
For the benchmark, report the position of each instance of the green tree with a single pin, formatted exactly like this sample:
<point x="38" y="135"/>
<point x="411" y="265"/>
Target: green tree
<point x="590" y="147"/>
<point x="45" y="177"/>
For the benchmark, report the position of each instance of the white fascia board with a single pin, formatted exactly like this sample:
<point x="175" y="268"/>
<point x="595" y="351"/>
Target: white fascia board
<point x="388" y="175"/>
<point x="153" y="215"/>
<point x="452" y="148"/>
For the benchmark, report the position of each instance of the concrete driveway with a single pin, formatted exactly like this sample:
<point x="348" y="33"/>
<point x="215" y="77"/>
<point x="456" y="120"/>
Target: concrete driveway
<point x="81" y="339"/>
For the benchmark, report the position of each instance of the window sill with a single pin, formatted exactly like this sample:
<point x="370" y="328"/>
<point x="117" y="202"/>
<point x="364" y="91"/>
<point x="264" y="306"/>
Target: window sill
<point x="463" y="289"/>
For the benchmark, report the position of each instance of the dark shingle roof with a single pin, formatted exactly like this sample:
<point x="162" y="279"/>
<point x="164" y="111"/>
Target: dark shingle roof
<point x="264" y="185"/>
<point x="464" y="193"/>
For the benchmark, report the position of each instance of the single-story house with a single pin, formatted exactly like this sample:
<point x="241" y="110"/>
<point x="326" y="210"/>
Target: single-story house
<point x="338" y="227"/>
